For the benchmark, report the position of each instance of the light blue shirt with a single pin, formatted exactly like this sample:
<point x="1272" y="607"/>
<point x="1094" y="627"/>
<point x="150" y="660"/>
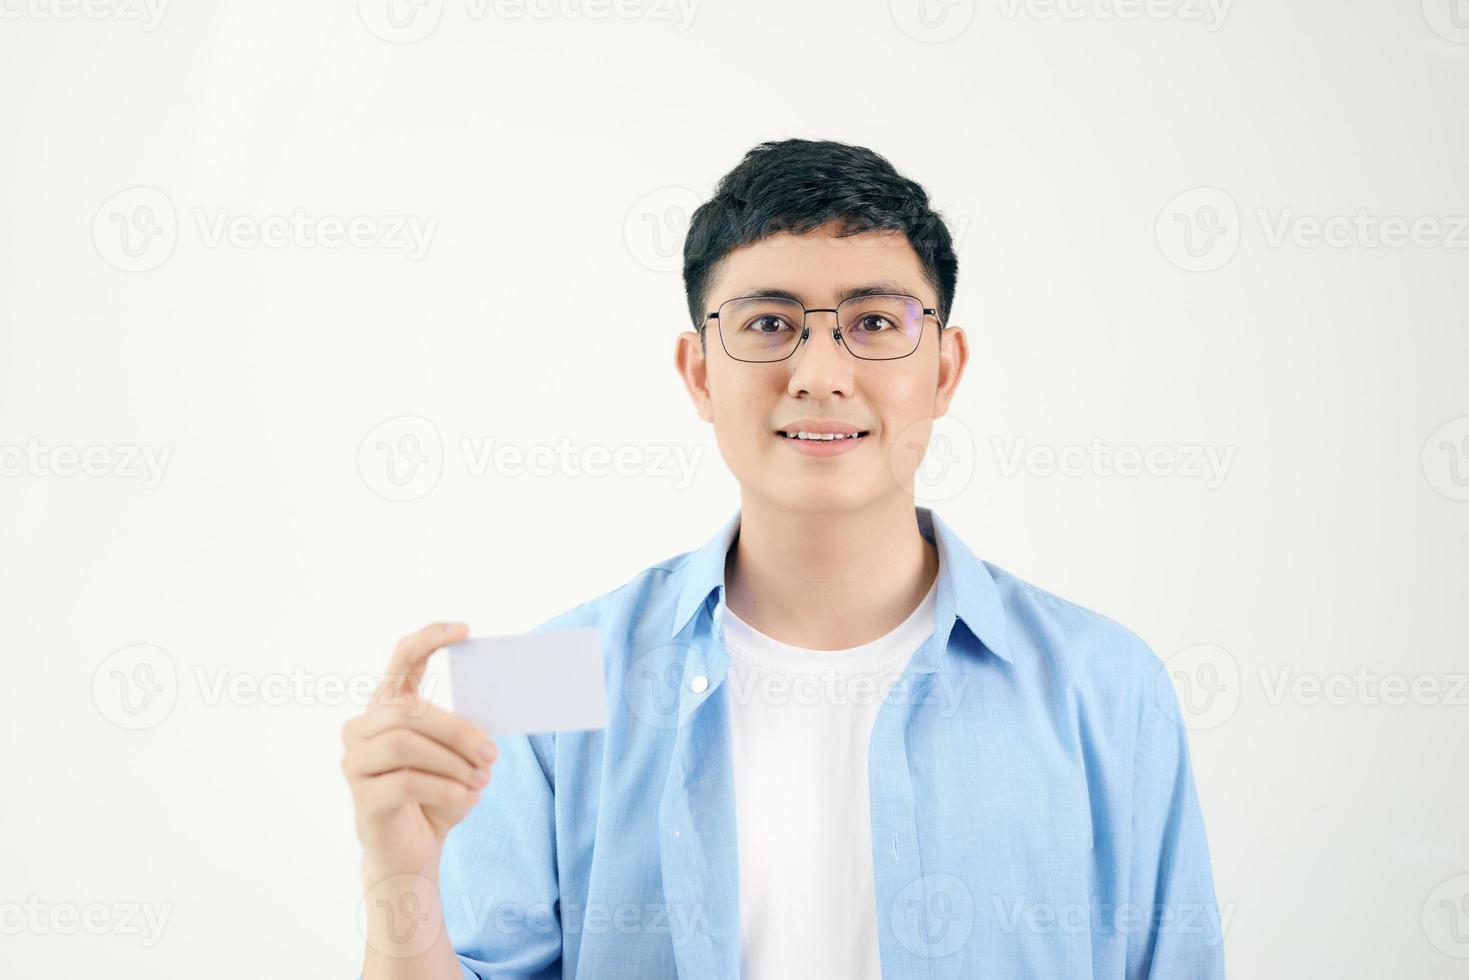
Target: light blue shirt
<point x="1032" y="804"/>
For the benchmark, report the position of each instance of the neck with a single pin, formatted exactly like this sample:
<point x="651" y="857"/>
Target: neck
<point x="830" y="580"/>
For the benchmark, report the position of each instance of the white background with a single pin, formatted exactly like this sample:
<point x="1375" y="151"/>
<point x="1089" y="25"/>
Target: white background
<point x="557" y="158"/>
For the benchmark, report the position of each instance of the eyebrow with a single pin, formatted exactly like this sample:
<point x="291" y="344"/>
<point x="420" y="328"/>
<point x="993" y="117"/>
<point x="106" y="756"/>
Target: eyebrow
<point x="869" y="289"/>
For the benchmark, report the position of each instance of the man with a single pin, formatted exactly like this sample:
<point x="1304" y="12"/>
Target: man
<point x="839" y="744"/>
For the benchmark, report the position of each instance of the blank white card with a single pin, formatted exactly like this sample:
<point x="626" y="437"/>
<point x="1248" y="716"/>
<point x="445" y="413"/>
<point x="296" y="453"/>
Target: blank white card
<point x="531" y="682"/>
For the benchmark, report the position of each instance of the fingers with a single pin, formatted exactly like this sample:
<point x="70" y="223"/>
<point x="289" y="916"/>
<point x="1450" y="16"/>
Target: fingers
<point x="417" y="715"/>
<point x="394" y="790"/>
<point x="410" y="656"/>
<point x="403" y="748"/>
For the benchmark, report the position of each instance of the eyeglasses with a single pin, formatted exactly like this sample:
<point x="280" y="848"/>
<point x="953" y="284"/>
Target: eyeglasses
<point x="881" y="327"/>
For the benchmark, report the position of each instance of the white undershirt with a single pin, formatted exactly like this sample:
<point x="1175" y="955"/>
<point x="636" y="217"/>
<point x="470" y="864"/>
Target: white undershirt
<point x="808" y="907"/>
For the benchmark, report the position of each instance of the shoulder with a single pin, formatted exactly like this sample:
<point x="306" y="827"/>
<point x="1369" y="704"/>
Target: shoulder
<point x="632" y="621"/>
<point x="647" y="599"/>
<point x="1091" y="655"/>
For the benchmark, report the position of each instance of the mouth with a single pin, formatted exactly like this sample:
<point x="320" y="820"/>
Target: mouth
<point x="809" y="443"/>
<point x="803" y="436"/>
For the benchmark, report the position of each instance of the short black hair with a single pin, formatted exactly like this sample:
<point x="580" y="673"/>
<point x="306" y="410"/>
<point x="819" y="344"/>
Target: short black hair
<point x="798" y="185"/>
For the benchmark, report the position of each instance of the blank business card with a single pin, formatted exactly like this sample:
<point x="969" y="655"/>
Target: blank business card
<point x="530" y="683"/>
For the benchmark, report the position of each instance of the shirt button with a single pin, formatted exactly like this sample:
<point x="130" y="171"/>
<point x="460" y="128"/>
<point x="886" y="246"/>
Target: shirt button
<point x="699" y="684"/>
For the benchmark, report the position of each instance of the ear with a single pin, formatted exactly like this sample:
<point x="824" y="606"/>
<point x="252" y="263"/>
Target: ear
<point x="693" y="368"/>
<point x="953" y="356"/>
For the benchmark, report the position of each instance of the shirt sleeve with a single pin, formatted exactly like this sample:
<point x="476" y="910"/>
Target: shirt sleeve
<point x="498" y="883"/>
<point x="1173" y="920"/>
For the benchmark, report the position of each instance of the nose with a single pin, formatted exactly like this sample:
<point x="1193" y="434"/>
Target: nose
<point x="821" y="369"/>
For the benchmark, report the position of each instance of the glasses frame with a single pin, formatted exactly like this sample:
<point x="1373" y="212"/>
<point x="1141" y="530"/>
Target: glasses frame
<point x="836" y="332"/>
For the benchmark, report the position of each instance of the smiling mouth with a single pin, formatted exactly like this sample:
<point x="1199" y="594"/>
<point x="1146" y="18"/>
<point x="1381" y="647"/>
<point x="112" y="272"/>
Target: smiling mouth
<point x="821" y="436"/>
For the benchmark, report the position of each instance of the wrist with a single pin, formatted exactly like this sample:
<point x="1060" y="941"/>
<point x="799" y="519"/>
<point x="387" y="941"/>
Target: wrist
<point x="374" y="872"/>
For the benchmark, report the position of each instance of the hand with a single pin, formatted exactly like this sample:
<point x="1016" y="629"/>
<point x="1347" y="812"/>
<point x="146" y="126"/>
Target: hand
<point x="415" y="770"/>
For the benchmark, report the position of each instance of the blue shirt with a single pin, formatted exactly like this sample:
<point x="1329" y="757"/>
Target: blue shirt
<point x="1032" y="804"/>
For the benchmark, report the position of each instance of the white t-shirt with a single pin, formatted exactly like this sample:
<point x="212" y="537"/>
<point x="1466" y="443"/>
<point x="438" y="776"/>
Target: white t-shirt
<point x="800" y="721"/>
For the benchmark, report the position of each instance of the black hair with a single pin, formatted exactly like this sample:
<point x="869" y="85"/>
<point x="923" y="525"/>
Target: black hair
<point x="798" y="185"/>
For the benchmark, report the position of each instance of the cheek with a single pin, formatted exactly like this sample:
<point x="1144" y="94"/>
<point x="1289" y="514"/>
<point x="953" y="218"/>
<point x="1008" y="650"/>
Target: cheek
<point x="903" y="404"/>
<point x="740" y="413"/>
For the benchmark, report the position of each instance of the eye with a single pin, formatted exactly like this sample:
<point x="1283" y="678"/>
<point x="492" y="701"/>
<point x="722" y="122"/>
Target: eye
<point x="767" y="323"/>
<point x="873" y="323"/>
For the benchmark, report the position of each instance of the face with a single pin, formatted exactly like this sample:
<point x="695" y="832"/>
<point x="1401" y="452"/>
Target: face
<point x="892" y="403"/>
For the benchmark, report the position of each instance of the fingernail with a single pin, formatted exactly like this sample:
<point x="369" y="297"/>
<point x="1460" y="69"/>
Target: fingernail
<point x="487" y="751"/>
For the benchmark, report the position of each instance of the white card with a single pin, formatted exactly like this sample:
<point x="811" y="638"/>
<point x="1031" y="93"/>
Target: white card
<point x="531" y="682"/>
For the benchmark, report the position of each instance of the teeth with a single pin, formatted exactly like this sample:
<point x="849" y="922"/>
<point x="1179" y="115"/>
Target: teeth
<point x="821" y="436"/>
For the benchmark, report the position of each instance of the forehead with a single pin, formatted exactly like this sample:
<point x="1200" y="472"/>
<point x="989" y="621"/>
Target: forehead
<point x="820" y="265"/>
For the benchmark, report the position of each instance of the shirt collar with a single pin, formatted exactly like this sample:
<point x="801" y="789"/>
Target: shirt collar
<point x="966" y="589"/>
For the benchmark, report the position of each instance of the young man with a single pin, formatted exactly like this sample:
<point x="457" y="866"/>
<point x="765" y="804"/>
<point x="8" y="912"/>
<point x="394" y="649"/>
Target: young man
<point x="840" y="745"/>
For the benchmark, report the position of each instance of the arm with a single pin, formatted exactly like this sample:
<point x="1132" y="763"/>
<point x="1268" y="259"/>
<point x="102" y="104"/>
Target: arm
<point x="1173" y="924"/>
<point x="449" y="854"/>
<point x="498" y="880"/>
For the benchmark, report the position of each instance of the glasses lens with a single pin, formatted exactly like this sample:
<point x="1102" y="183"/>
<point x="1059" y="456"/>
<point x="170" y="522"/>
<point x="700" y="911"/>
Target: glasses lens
<point x="881" y="327"/>
<point x="760" y="328"/>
